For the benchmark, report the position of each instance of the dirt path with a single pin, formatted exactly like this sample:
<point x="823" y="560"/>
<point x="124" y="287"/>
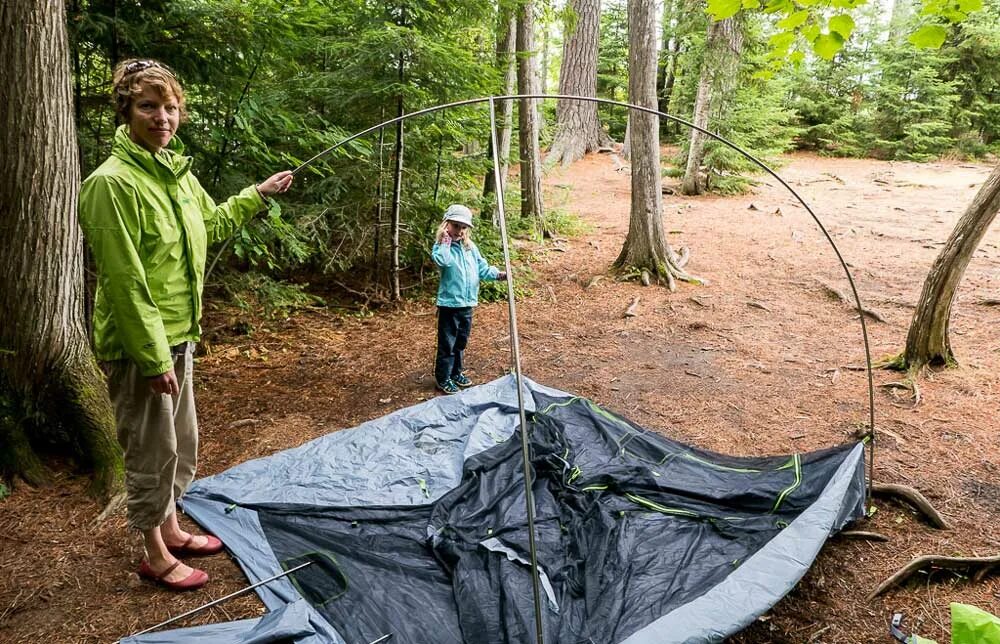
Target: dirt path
<point x="760" y="361"/>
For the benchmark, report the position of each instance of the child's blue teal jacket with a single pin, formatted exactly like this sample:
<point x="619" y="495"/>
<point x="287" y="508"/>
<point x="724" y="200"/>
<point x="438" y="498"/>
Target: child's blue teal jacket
<point x="461" y="270"/>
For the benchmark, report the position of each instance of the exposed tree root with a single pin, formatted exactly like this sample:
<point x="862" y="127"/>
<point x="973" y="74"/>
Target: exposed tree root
<point x="873" y="314"/>
<point x="113" y="506"/>
<point x="837" y="294"/>
<point x="914" y="498"/>
<point x="910" y="385"/>
<point x="979" y="567"/>
<point x="862" y="534"/>
<point x="909" y="382"/>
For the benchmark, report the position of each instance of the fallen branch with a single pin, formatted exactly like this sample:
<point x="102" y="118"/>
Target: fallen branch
<point x="758" y="305"/>
<point x="978" y="566"/>
<point x="988" y="302"/>
<point x="914" y="498"/>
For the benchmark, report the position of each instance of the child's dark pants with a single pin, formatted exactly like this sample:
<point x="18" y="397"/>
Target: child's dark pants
<point x="454" y="325"/>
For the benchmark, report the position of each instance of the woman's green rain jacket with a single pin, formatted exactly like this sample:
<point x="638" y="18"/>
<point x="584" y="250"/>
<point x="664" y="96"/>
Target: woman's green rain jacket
<point x="149" y="222"/>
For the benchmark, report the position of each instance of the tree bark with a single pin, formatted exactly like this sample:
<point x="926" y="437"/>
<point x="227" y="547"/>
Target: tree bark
<point x="397" y="190"/>
<point x="578" y="128"/>
<point x="51" y="390"/>
<point x="927" y="342"/>
<point x="379" y="210"/>
<point x="506" y="61"/>
<point x="646" y="247"/>
<point x="668" y="57"/>
<point x="527" y="115"/>
<point x="902" y="11"/>
<point x="719" y="67"/>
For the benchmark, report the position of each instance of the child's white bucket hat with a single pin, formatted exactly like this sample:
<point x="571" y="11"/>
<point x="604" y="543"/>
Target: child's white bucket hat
<point x="458" y="213"/>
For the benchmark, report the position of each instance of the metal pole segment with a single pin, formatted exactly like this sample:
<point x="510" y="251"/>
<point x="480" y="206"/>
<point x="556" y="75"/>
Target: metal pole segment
<point x="515" y="352"/>
<point x="220" y="600"/>
<point x="755" y="160"/>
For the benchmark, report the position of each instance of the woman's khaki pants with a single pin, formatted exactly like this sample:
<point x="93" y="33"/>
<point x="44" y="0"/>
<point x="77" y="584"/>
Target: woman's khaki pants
<point x="159" y="434"/>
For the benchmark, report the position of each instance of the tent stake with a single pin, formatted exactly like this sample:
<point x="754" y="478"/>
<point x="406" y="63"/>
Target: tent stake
<point x="220" y="600"/>
<point x="515" y="350"/>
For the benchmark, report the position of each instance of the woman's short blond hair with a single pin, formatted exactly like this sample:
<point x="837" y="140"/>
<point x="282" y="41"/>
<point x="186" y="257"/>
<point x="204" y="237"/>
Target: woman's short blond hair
<point x="130" y="76"/>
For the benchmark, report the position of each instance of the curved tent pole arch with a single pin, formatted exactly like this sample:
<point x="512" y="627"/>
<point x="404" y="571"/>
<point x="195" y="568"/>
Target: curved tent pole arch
<point x="763" y="166"/>
<point x="515" y="346"/>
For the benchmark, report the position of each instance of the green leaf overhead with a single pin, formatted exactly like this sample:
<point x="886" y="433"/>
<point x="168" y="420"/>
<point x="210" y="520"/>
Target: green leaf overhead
<point x="843" y="25"/>
<point x="826" y="46"/>
<point x="722" y="9"/>
<point x="928" y="37"/>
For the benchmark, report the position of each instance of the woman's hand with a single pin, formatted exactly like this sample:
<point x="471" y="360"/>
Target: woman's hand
<point x="165" y="383"/>
<point x="276" y="183"/>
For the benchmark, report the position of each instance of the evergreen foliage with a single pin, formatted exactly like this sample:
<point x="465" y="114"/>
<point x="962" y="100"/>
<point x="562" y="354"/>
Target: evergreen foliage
<point x="612" y="66"/>
<point x="885" y="98"/>
<point x="271" y="83"/>
<point x="755" y="116"/>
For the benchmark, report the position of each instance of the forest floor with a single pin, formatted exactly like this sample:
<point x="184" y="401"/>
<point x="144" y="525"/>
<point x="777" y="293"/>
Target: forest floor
<point x="762" y="360"/>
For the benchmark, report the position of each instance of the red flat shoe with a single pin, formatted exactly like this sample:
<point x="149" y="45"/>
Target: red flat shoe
<point x="211" y="547"/>
<point x="195" y="580"/>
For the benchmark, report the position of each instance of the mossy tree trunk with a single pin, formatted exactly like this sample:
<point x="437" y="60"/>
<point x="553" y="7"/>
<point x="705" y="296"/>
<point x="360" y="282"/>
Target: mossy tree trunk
<point x="53" y="397"/>
<point x="578" y="129"/>
<point x="927" y="342"/>
<point x="646" y="248"/>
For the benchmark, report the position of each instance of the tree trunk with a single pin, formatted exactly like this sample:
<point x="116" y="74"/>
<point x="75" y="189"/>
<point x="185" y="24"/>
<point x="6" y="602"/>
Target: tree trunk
<point x="578" y="129"/>
<point x="668" y="57"/>
<point x="646" y="248"/>
<point x="506" y="41"/>
<point x="718" y="73"/>
<point x="902" y="11"/>
<point x="927" y="342"/>
<point x="527" y="116"/>
<point x="51" y="390"/>
<point x="397" y="189"/>
<point x="379" y="211"/>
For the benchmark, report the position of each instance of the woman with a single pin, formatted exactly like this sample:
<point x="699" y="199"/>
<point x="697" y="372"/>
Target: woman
<point x="149" y="222"/>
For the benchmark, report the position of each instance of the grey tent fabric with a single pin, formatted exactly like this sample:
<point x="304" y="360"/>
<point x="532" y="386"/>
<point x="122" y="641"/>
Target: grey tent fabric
<point x="415" y="525"/>
<point x="288" y="623"/>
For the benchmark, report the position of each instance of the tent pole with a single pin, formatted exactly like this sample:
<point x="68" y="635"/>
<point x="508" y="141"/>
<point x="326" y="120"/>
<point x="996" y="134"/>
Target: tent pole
<point x="220" y="600"/>
<point x="515" y="349"/>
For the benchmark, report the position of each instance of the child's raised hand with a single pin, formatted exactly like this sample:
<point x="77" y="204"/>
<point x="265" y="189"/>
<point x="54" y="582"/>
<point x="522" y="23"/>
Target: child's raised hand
<point x="446" y="239"/>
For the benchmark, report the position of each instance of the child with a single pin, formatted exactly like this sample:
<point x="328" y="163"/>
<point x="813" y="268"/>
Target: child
<point x="462" y="266"/>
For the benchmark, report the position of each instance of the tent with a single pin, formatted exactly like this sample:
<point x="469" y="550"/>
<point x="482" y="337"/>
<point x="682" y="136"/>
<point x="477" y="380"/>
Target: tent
<point x="414" y="525"/>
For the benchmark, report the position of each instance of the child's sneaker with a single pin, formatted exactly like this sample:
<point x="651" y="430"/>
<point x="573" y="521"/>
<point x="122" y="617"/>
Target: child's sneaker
<point x="448" y="386"/>
<point x="461" y="380"/>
